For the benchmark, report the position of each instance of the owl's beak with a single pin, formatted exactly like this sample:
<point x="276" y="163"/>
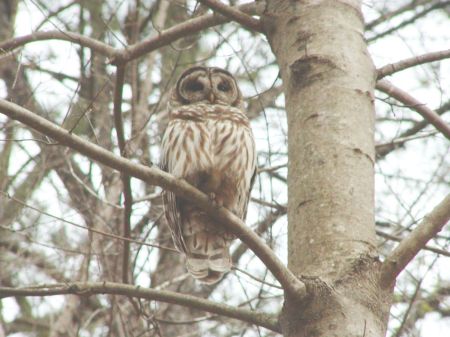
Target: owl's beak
<point x="211" y="97"/>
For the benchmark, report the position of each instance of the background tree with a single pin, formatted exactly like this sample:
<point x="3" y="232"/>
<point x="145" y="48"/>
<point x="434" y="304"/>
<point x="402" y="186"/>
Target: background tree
<point x="74" y="221"/>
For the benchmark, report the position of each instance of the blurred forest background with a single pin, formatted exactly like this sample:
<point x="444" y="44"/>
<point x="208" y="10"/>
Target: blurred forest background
<point x="62" y="216"/>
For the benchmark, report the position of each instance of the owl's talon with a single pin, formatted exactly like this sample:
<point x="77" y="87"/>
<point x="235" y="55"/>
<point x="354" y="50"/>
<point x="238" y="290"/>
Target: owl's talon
<point x="214" y="200"/>
<point x="212" y="197"/>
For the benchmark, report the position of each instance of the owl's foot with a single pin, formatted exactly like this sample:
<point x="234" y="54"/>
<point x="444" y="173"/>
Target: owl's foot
<point x="214" y="200"/>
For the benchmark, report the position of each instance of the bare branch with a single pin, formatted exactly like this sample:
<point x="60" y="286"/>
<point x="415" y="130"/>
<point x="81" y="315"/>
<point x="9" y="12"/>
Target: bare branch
<point x="280" y="207"/>
<point x="271" y="168"/>
<point x="400" y="141"/>
<point x="118" y="123"/>
<point x="436" y="5"/>
<point x="234" y="14"/>
<point x="82" y="40"/>
<point x="414" y="242"/>
<point x="128" y="198"/>
<point x="389" y="69"/>
<point x="155" y="176"/>
<point x="263" y="100"/>
<point x="59" y="76"/>
<point x="262" y="227"/>
<point x="90" y="229"/>
<point x="389" y="15"/>
<point x="402" y="96"/>
<point x="35" y="257"/>
<point x="86" y="289"/>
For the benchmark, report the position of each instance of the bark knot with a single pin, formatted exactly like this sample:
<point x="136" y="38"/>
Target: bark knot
<point x="315" y="286"/>
<point x="310" y="68"/>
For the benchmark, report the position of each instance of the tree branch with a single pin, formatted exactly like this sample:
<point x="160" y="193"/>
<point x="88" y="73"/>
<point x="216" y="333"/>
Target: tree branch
<point x="120" y="56"/>
<point x="234" y="14"/>
<point x="402" y="96"/>
<point x="82" y="40"/>
<point x="128" y="198"/>
<point x="183" y="29"/>
<point x="86" y="289"/>
<point x="414" y="242"/>
<point x="262" y="227"/>
<point x="383" y="151"/>
<point x="389" y="69"/>
<point x="155" y="176"/>
<point x="389" y="15"/>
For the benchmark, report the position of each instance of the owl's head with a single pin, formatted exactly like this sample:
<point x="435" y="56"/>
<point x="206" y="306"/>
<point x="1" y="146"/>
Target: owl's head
<point x="206" y="85"/>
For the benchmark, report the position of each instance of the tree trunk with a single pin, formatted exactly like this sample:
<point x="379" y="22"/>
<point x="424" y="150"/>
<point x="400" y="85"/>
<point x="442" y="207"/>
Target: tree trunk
<point x="328" y="81"/>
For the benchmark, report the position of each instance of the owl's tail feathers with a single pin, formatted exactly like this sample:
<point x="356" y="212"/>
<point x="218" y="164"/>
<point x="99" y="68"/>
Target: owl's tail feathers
<point x="208" y="257"/>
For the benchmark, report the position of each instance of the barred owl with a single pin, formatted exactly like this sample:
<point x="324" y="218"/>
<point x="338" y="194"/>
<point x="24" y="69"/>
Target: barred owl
<point x="209" y="143"/>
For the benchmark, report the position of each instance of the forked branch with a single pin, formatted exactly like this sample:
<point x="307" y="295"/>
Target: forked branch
<point x="412" y="244"/>
<point x="152" y="175"/>
<point x="234" y="14"/>
<point x="121" y="56"/>
<point x="183" y="29"/>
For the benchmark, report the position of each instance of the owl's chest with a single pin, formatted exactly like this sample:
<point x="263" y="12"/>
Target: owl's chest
<point x="219" y="144"/>
<point x="229" y="141"/>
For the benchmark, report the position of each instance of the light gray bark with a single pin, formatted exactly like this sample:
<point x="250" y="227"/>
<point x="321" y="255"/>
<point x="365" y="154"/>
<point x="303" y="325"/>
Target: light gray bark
<point x="328" y="81"/>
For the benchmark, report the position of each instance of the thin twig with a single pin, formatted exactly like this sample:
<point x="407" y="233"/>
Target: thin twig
<point x="92" y="288"/>
<point x="402" y="96"/>
<point x="269" y="204"/>
<point x="90" y="229"/>
<point x="414" y="242"/>
<point x="400" y="141"/>
<point x="256" y="278"/>
<point x="383" y="151"/>
<point x="88" y="189"/>
<point x="389" y="15"/>
<point x="271" y="168"/>
<point x="399" y="239"/>
<point x="174" y="280"/>
<point x="261" y="228"/>
<point x="438" y="4"/>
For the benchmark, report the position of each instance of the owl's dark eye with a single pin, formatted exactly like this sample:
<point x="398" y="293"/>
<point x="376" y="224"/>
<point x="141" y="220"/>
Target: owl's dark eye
<point x="224" y="86"/>
<point x="194" y="86"/>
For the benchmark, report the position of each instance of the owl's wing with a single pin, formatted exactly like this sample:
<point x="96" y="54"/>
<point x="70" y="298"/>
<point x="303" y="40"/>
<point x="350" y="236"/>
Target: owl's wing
<point x="249" y="172"/>
<point x="171" y="210"/>
<point x="247" y="197"/>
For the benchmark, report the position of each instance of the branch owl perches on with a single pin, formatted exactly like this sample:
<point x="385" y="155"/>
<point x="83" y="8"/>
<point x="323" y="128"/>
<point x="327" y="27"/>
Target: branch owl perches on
<point x="209" y="143"/>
